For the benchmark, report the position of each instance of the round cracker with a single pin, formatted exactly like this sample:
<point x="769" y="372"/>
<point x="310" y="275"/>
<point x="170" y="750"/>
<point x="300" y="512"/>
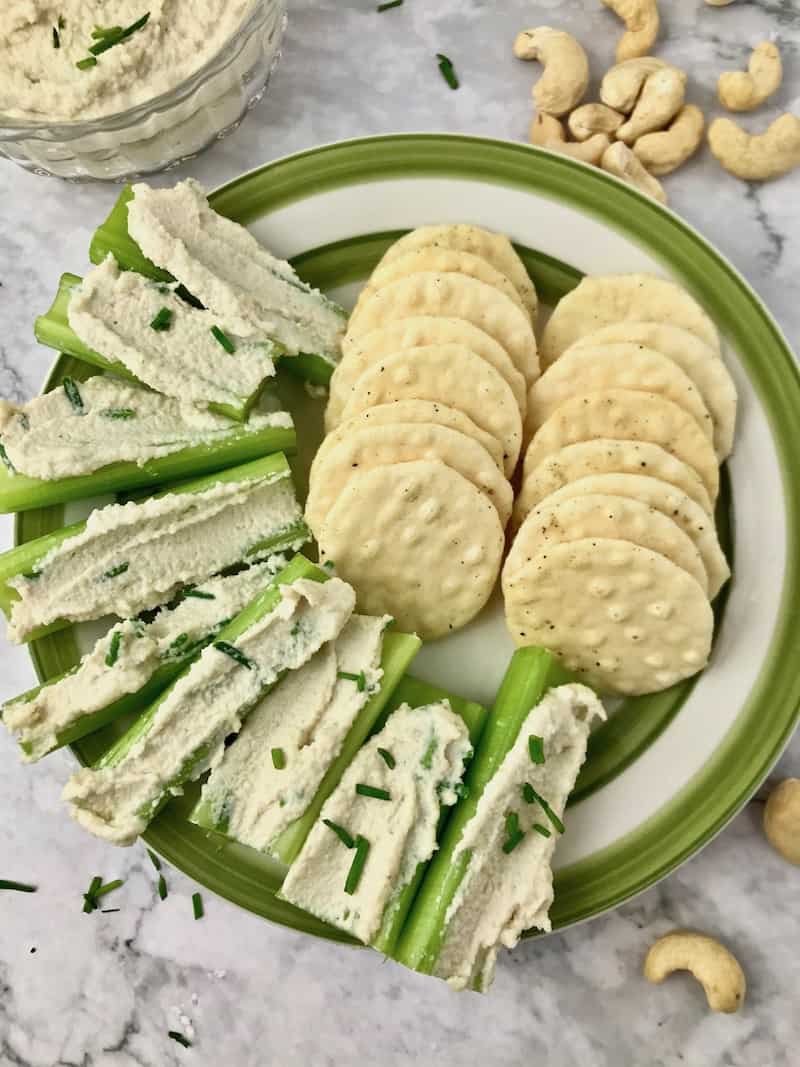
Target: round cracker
<point x="417" y="411"/>
<point x="600" y="300"/>
<point x="374" y="446"/>
<point x="451" y="296"/>
<point x="418" y="542"/>
<point x="695" y="358"/>
<point x="449" y="373"/>
<point x="605" y="456"/>
<point x="493" y="247"/>
<point x="627" y="416"/>
<point x="692" y="519"/>
<point x="411" y="333"/>
<point x="600" y="515"/>
<point x="586" y="370"/>
<point x="624" y="618"/>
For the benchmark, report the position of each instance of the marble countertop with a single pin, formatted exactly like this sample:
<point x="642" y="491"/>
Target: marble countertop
<point x="103" y="990"/>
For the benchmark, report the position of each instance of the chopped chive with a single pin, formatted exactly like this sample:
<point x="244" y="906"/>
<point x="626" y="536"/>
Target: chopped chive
<point x="329" y="565"/>
<point x="109" y="887"/>
<point x="154" y="859"/>
<point x="6" y="461"/>
<point x="536" y="748"/>
<point x="162" y="887"/>
<point x="357" y="866"/>
<point x="56" y="38"/>
<point x="162" y="320"/>
<point x="223" y="339"/>
<point x="387" y="758"/>
<point x="89" y="903"/>
<point x="530" y="796"/>
<point x="427" y="758"/>
<point x="32" y="576"/>
<point x="340" y="832"/>
<point x="372" y="791"/>
<point x="177" y="647"/>
<point x="513" y="833"/>
<point x="177" y="1036"/>
<point x="62" y="22"/>
<point x="113" y="652"/>
<point x="110" y="39"/>
<point x="295" y="630"/>
<point x="118" y="413"/>
<point x="447" y="70"/>
<point x="115" y="572"/>
<point x="86" y="64"/>
<point x="105" y="31"/>
<point x="198" y="593"/>
<point x="278" y="759"/>
<point x="74" y="396"/>
<point x="18" y="887"/>
<point x="108" y="911"/>
<point x="537" y="826"/>
<point x="197" y="906"/>
<point x="388" y="4"/>
<point x="235" y="654"/>
<point x="360" y="679"/>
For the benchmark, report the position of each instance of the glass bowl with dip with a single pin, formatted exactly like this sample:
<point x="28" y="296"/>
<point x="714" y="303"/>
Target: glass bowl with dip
<point x="114" y="102"/>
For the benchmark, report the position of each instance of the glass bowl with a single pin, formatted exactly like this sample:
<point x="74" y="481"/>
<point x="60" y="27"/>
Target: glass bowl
<point x="164" y="131"/>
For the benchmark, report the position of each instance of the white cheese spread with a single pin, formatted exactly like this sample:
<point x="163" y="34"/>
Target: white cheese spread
<point x="230" y="273"/>
<point x="429" y="746"/>
<point x="504" y="893"/>
<point x="206" y="705"/>
<point x="130" y="557"/>
<point x="41" y="82"/>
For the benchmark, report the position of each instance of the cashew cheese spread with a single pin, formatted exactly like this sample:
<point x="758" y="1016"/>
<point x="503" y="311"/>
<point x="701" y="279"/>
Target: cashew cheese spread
<point x="42" y="42"/>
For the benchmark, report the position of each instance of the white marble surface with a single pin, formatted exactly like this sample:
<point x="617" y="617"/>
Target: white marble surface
<point x="104" y="989"/>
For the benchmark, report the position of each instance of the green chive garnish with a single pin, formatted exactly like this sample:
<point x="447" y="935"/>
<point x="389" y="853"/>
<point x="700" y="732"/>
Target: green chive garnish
<point x="360" y="679"/>
<point x="56" y="38"/>
<point x="177" y="1036"/>
<point x="387" y="758"/>
<point x="223" y="339"/>
<point x="6" y="461"/>
<point x="99" y="32"/>
<point x="513" y="833"/>
<point x="115" y="572"/>
<point x="357" y="866"/>
<point x="198" y="593"/>
<point x="18" y="887"/>
<point x="62" y="22"/>
<point x="329" y="565"/>
<point x="86" y="64"/>
<point x="530" y="796"/>
<point x="235" y="654"/>
<point x="162" y="320"/>
<point x="427" y="758"/>
<point x="341" y="833"/>
<point x="390" y="3"/>
<point x="118" y="413"/>
<point x="536" y="748"/>
<point x="108" y="911"/>
<point x="162" y="887"/>
<point x="74" y="396"/>
<point x="110" y="38"/>
<point x="537" y="826"/>
<point x="447" y="70"/>
<point x="109" y="887"/>
<point x="113" y="651"/>
<point x="154" y="860"/>
<point x="197" y="906"/>
<point x="372" y="791"/>
<point x="177" y="647"/>
<point x="278" y="759"/>
<point x="89" y="904"/>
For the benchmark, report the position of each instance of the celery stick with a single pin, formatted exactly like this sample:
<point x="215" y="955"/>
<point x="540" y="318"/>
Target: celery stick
<point x="24" y="559"/>
<point x="530" y="674"/>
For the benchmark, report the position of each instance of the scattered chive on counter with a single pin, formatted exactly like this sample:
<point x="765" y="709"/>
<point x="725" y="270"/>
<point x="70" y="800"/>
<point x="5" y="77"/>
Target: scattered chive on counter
<point x="223" y="339"/>
<point x="162" y="887"/>
<point x="197" y="906"/>
<point x="109" y="887"/>
<point x="387" y="758"/>
<point x="177" y="1036"/>
<point x="154" y="859"/>
<point x="347" y="839"/>
<point x="373" y="792"/>
<point x="89" y="904"/>
<point x="357" y="866"/>
<point x="17" y="887"/>
<point x="389" y="4"/>
<point x="447" y="70"/>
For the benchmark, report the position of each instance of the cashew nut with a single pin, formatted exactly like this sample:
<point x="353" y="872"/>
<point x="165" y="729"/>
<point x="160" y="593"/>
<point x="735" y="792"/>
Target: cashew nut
<point x="566" y="68"/>
<point x="738" y="91"/>
<point x="594" y="118"/>
<point x="546" y="128"/>
<point x="618" y="159"/>
<point x="760" y="157"/>
<point x="663" y="152"/>
<point x="589" y="151"/>
<point x="782" y="819"/>
<point x="715" y="968"/>
<point x="641" y="25"/>
<point x="622" y="84"/>
<point x="662" y="98"/>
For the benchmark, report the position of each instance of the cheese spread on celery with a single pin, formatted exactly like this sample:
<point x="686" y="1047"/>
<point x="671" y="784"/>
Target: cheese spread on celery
<point x="204" y="707"/>
<point x="41" y="43"/>
<point x="139" y="650"/>
<point x="130" y="557"/>
<point x="306" y="718"/>
<point x="502" y="892"/>
<point x="428" y="746"/>
<point x="230" y="273"/>
<point x="113" y="312"/>
<point x="109" y="421"/>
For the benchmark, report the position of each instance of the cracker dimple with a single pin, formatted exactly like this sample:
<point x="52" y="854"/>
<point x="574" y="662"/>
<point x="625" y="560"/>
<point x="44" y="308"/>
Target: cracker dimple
<point x="641" y="652"/>
<point x="436" y="584"/>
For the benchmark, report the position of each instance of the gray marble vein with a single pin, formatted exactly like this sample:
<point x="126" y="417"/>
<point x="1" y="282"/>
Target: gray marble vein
<point x="103" y="990"/>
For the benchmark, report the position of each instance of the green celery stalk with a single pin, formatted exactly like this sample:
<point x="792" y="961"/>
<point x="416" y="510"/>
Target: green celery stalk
<point x="24" y="558"/>
<point x="530" y="674"/>
<point x="112" y="236"/>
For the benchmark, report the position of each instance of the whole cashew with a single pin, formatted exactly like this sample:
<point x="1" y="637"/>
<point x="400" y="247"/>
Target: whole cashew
<point x="738" y="91"/>
<point x="622" y="84"/>
<point x="641" y="25"/>
<point x="589" y="151"/>
<point x="618" y="159"/>
<point x="546" y="128"/>
<point x="782" y="819"/>
<point x="760" y="157"/>
<point x="566" y="68"/>
<point x="594" y="118"/>
<point x="662" y="98"/>
<point x="663" y="152"/>
<point x="716" y="969"/>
